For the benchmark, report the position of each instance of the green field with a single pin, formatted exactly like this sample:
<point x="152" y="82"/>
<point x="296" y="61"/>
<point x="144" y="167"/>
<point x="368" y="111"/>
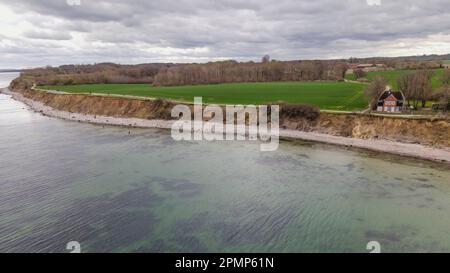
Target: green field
<point x="392" y="76"/>
<point x="326" y="95"/>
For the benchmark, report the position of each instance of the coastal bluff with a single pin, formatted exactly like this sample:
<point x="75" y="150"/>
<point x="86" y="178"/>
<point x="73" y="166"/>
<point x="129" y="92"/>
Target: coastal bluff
<point x="425" y="131"/>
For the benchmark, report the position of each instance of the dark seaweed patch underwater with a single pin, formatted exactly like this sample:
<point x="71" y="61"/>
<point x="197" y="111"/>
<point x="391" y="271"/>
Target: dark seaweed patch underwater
<point x="133" y="190"/>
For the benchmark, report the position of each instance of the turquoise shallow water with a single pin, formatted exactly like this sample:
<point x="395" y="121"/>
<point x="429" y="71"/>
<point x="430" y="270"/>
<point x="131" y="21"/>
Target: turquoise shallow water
<point x="120" y="190"/>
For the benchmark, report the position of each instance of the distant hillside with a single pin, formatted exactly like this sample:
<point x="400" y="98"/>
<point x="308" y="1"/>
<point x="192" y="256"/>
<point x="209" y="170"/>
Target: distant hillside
<point x="421" y="58"/>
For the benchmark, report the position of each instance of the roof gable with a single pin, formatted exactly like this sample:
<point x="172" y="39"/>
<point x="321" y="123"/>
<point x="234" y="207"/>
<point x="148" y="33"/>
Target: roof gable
<point x="396" y="94"/>
<point x="391" y="98"/>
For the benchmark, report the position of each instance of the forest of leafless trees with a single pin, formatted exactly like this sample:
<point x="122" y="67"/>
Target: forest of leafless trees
<point x="416" y="87"/>
<point x="209" y="73"/>
<point x="233" y="72"/>
<point x="189" y="74"/>
<point x="97" y="73"/>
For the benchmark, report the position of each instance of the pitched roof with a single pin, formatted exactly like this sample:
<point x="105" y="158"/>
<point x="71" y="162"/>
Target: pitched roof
<point x="366" y="65"/>
<point x="397" y="94"/>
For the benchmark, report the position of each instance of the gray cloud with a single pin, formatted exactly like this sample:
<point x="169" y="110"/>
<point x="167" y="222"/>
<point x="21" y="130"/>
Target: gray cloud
<point x="201" y="30"/>
<point x="47" y="35"/>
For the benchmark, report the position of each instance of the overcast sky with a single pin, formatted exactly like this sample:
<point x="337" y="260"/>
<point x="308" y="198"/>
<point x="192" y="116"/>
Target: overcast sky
<point x="54" y="32"/>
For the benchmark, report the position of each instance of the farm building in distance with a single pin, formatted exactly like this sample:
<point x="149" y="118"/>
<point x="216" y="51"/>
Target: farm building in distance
<point x="391" y="102"/>
<point x="366" y="67"/>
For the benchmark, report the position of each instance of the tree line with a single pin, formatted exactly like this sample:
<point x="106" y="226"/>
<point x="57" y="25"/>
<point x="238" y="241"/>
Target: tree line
<point x="266" y="71"/>
<point x="96" y="73"/>
<point x="185" y="74"/>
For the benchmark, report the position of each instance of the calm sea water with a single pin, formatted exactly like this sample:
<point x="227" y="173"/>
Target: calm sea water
<point x="7" y="77"/>
<point x="120" y="190"/>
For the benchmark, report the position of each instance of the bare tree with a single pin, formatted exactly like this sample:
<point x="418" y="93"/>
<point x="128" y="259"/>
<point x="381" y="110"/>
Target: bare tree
<point x="443" y="94"/>
<point x="359" y="73"/>
<point x="424" y="87"/>
<point x="445" y="78"/>
<point x="375" y="89"/>
<point x="416" y="87"/>
<point x="403" y="83"/>
<point x="265" y="59"/>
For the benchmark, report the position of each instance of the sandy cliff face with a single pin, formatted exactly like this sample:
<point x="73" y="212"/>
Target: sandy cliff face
<point x="104" y="105"/>
<point x="423" y="131"/>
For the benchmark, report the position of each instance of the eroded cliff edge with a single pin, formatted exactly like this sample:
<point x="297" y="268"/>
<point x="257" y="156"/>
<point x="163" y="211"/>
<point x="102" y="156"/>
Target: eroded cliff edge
<point x="426" y="131"/>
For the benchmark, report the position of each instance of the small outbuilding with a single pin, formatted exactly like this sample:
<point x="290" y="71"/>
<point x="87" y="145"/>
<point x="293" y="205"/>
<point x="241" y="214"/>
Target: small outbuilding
<point x="391" y="102"/>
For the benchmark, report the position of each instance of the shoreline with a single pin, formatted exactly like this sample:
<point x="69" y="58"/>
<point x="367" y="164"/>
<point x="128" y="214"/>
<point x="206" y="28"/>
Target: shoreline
<point x="378" y="145"/>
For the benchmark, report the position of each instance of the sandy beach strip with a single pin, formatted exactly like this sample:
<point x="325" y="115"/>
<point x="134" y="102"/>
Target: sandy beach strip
<point x="378" y="145"/>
